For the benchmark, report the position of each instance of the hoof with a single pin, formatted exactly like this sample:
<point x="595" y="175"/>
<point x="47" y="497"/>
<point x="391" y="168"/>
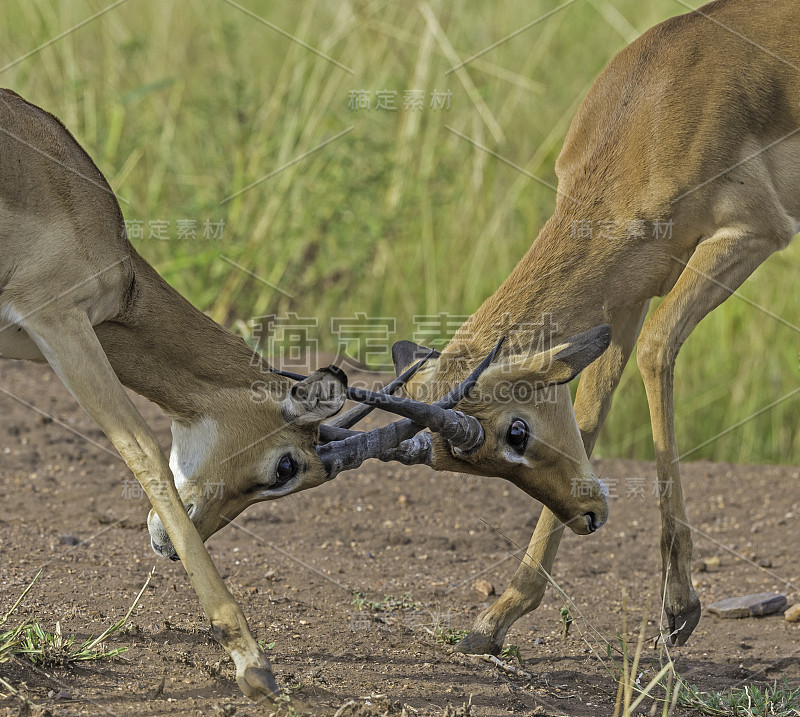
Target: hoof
<point x="683" y="624"/>
<point x="258" y="684"/>
<point x="477" y="644"/>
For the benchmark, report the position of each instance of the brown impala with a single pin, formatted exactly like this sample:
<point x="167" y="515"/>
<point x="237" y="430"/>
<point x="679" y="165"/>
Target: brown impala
<point x="679" y="175"/>
<point x="74" y="293"/>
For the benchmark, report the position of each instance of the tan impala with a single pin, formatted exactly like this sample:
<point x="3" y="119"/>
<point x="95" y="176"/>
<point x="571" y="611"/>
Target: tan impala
<point x="74" y="293"/>
<point x="679" y="175"/>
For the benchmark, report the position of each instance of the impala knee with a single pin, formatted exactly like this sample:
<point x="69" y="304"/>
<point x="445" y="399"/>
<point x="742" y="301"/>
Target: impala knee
<point x="144" y="457"/>
<point x="228" y="626"/>
<point x="526" y="589"/>
<point x="654" y="355"/>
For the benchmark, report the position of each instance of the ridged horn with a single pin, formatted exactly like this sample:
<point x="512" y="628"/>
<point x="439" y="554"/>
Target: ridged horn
<point x="393" y="442"/>
<point x="354" y="415"/>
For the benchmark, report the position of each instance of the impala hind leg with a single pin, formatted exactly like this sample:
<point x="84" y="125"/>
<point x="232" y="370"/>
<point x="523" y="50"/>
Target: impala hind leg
<point x="71" y="347"/>
<point x="526" y="590"/>
<point x="716" y="269"/>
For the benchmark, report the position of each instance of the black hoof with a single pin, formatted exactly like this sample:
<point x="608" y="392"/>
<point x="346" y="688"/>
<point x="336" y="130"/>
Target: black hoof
<point x="682" y="625"/>
<point x="258" y="684"/>
<point x="477" y="644"/>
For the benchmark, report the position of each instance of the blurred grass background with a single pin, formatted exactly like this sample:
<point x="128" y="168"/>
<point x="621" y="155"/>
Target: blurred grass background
<point x="182" y="105"/>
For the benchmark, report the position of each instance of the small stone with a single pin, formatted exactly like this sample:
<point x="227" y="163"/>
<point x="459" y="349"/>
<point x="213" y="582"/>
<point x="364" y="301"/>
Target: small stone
<point x="63" y="695"/>
<point x="69" y="540"/>
<point x="793" y="613"/>
<point x="748" y="605"/>
<point x="484" y="587"/>
<point x="402" y="500"/>
<point x="765" y="563"/>
<point x="713" y="561"/>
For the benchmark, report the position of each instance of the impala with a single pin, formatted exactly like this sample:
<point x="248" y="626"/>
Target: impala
<point x="684" y="159"/>
<point x="76" y="294"/>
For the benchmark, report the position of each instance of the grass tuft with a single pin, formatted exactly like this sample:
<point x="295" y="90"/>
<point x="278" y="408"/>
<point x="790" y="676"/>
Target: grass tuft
<point x="778" y="700"/>
<point x="668" y="691"/>
<point x="31" y="640"/>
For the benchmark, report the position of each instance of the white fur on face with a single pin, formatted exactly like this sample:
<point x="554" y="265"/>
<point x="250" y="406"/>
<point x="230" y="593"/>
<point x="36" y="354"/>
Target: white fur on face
<point x="191" y="446"/>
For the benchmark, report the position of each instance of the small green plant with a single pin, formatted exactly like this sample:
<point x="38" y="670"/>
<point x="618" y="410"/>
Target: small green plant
<point x="449" y="636"/>
<point x="566" y="621"/>
<point x="390" y="603"/>
<point x="511" y="652"/>
<point x="264" y="645"/>
<point x="31" y="640"/>
<point x="283" y="707"/>
<point x="288" y="704"/>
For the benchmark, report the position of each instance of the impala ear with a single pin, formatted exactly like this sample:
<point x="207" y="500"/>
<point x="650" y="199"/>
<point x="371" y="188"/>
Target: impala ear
<point x="559" y="364"/>
<point x="580" y="351"/>
<point x="316" y="398"/>
<point x="404" y="353"/>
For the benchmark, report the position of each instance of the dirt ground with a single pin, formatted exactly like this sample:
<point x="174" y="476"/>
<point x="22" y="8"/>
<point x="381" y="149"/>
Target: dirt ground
<point x="421" y="537"/>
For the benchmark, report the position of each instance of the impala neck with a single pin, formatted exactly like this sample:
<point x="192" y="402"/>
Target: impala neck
<point x="552" y="294"/>
<point x="165" y="349"/>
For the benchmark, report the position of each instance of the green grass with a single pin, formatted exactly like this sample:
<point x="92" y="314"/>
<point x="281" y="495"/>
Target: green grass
<point x="29" y="639"/>
<point x="182" y="107"/>
<point x="666" y="691"/>
<point x="778" y="700"/>
<point x="509" y="653"/>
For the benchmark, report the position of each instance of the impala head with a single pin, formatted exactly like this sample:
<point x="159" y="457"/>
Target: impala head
<point x="261" y="445"/>
<point x="530" y="434"/>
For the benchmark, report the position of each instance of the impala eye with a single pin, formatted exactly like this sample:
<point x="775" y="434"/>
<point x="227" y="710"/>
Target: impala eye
<point x="517" y="435"/>
<point x="286" y="469"/>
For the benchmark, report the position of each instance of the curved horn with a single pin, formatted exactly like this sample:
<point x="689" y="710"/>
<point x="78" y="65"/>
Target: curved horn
<point x="354" y="415"/>
<point x="288" y="374"/>
<point x="392" y="442"/>
<point x="462" y="390"/>
<point x="328" y="433"/>
<point x="460" y="430"/>
<point x="382" y="443"/>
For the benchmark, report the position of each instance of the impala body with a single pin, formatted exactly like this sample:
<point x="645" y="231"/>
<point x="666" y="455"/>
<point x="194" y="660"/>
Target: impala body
<point x="679" y="175"/>
<point x="75" y="293"/>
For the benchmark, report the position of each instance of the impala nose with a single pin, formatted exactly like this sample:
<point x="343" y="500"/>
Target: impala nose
<point x="164" y="550"/>
<point x="592" y="523"/>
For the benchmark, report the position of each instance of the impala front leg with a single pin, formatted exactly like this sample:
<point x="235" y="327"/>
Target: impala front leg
<point x="524" y="593"/>
<point x="526" y="590"/>
<point x="228" y="623"/>
<point x="70" y="346"/>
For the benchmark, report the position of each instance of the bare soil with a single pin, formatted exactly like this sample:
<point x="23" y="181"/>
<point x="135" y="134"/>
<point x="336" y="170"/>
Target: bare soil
<point x="294" y="565"/>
